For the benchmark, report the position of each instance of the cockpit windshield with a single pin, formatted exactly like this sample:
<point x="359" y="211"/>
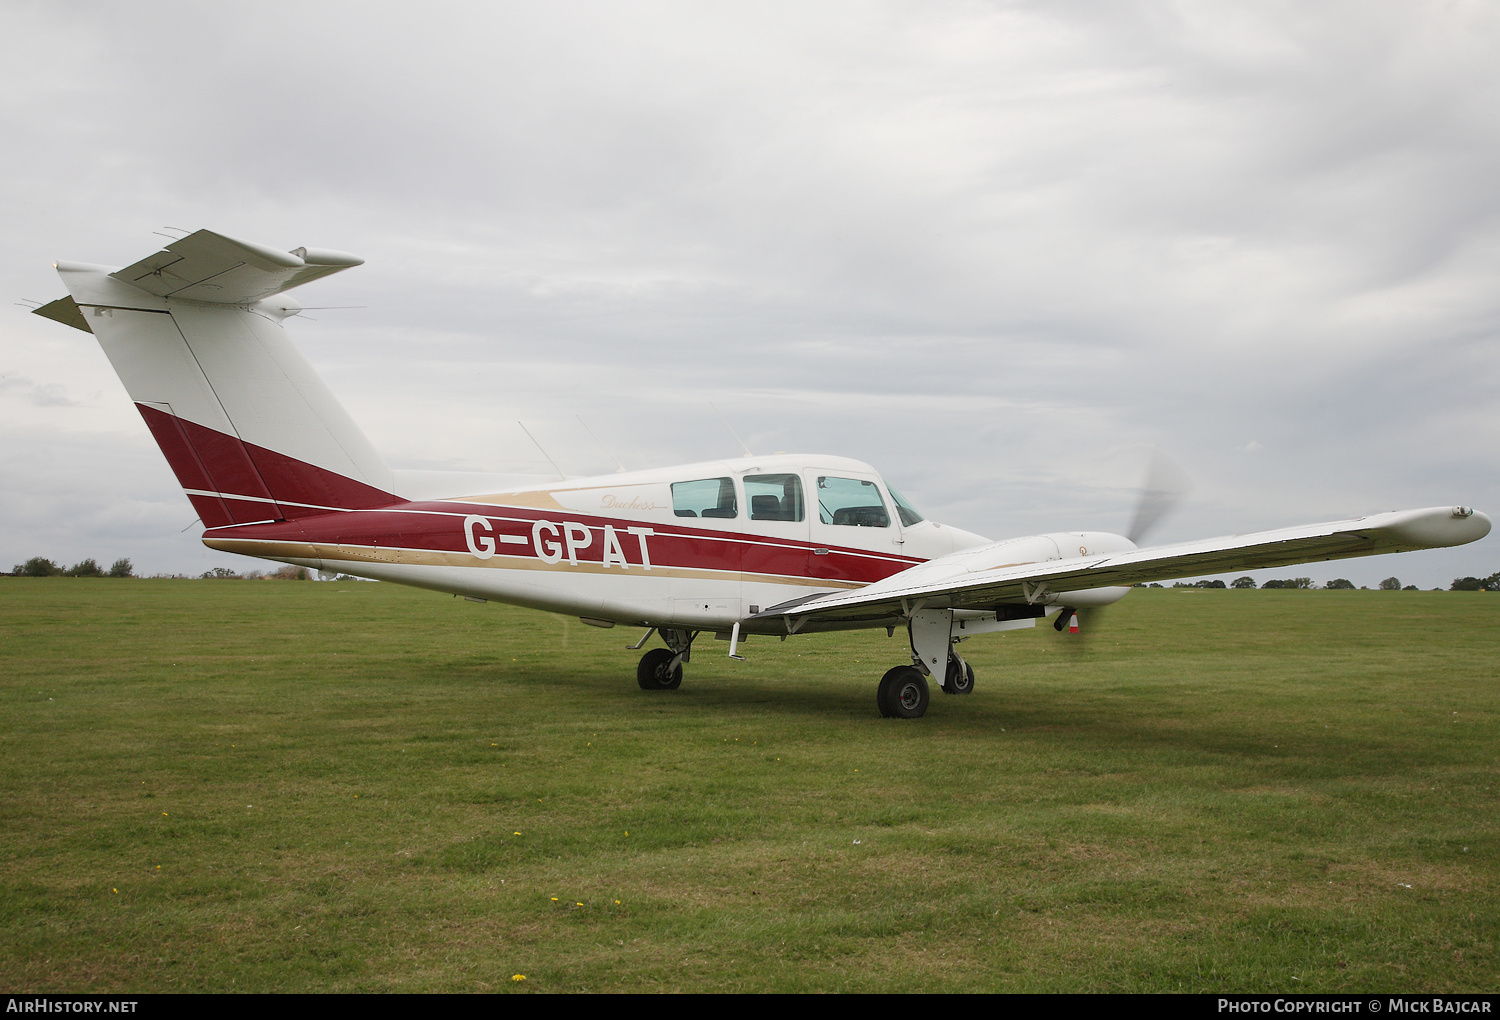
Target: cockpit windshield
<point x="904" y="509"/>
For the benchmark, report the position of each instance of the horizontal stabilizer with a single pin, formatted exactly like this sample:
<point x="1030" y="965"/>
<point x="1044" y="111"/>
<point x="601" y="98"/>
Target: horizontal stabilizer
<point x="64" y="310"/>
<point x="205" y="266"/>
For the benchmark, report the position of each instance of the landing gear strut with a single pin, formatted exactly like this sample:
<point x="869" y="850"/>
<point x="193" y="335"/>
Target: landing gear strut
<point x="661" y="668"/>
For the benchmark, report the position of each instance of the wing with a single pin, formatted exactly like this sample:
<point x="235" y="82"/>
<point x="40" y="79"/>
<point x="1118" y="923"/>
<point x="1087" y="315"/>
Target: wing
<point x="205" y="266"/>
<point x="965" y="585"/>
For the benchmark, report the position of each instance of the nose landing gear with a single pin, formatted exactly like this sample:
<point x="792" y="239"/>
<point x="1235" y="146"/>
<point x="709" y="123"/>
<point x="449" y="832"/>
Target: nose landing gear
<point x="661" y="668"/>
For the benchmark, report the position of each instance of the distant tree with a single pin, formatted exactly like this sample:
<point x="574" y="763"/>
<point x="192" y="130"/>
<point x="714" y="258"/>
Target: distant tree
<point x="1340" y="584"/>
<point x="290" y="573"/>
<point x="220" y="572"/>
<point x="122" y="568"/>
<point x="1411" y="587"/>
<point x="1153" y="585"/>
<point x="38" y="567"/>
<point x="1243" y="582"/>
<point x="1290" y="582"/>
<point x="1208" y="584"/>
<point x="87" y="568"/>
<point x="1491" y="583"/>
<point x="1390" y="584"/>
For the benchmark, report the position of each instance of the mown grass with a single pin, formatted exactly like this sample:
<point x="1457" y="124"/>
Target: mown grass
<point x="273" y="786"/>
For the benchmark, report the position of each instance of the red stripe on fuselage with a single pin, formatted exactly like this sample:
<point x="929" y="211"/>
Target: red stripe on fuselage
<point x="439" y="527"/>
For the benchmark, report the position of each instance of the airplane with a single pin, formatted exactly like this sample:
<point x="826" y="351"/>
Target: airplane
<point x="775" y="546"/>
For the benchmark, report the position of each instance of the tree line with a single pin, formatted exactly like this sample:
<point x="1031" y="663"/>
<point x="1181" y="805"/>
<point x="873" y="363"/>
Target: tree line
<point x="39" y="566"/>
<point x="1491" y="583"/>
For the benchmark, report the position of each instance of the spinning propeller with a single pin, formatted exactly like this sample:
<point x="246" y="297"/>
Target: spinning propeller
<point x="1162" y="489"/>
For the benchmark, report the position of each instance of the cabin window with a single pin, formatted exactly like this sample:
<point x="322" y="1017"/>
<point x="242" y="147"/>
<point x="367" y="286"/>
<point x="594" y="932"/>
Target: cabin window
<point x="705" y="497"/>
<point x="904" y="510"/>
<point x="774" y="497"/>
<point x="851" y="501"/>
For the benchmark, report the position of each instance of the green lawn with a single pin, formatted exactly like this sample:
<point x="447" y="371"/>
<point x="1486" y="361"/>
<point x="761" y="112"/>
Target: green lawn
<point x="227" y="785"/>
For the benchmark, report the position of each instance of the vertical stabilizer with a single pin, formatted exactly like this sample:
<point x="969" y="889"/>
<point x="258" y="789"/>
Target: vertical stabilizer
<point x="249" y="429"/>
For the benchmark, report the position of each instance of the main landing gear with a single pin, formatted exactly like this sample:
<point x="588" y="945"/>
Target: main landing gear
<point x="903" y="693"/>
<point x="661" y="668"/>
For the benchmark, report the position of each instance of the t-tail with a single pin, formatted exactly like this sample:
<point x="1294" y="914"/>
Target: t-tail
<point x="195" y="334"/>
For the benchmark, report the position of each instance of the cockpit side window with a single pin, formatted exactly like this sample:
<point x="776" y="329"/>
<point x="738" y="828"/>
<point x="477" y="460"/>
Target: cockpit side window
<point x="705" y="497"/>
<point x="774" y="497"/>
<point x="904" y="509"/>
<point x="851" y="501"/>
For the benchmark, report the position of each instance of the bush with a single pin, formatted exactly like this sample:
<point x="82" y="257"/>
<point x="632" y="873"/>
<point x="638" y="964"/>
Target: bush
<point x="1491" y="583"/>
<point x="1390" y="584"/>
<point x="1243" y="582"/>
<point x="290" y="573"/>
<point x="38" y="567"/>
<point x="1340" y="584"/>
<point x="220" y="572"/>
<point x="87" y="568"/>
<point x="122" y="568"/>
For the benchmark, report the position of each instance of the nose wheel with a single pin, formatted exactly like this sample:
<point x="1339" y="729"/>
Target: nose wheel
<point x="902" y="693"/>
<point x="659" y="670"/>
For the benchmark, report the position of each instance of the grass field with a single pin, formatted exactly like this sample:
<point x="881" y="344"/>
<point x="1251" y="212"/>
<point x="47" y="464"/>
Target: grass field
<point x="221" y="785"/>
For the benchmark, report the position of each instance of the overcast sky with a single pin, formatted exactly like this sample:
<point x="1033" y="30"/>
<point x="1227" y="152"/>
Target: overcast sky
<point x="999" y="251"/>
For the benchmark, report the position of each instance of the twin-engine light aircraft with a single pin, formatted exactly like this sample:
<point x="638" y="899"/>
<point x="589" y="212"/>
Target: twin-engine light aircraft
<point x="783" y="545"/>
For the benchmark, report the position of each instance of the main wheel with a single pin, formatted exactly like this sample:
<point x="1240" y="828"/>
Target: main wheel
<point x="960" y="679"/>
<point x="902" y="693"/>
<point x="653" y="673"/>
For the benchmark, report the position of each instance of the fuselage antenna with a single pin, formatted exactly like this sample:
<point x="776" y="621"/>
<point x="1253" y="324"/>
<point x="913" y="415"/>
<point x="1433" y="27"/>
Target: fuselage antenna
<point x="619" y="468"/>
<point x="730" y="427"/>
<point x="544" y="452"/>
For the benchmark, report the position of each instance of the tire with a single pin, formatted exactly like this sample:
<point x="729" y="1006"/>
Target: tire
<point x="902" y="693"/>
<point x="960" y="679"/>
<point x="652" y="673"/>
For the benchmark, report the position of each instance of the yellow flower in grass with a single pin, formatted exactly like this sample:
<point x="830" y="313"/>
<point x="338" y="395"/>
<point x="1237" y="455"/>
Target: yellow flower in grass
<point x="518" y="977"/>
